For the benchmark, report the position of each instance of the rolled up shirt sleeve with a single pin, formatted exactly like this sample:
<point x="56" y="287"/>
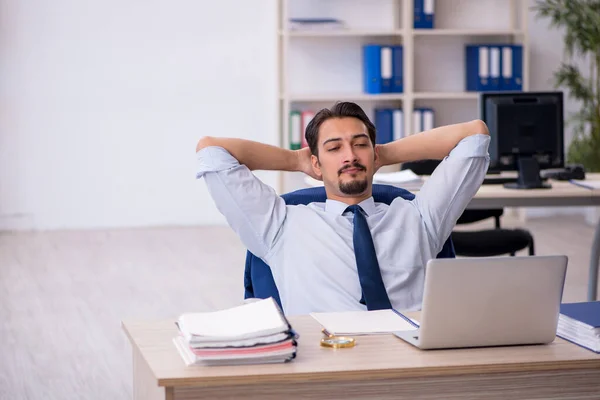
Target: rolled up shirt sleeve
<point x="252" y="209"/>
<point x="446" y="194"/>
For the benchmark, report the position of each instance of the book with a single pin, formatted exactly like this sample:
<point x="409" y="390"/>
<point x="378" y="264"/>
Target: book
<point x="364" y="322"/>
<point x="252" y="333"/>
<point x="579" y="323"/>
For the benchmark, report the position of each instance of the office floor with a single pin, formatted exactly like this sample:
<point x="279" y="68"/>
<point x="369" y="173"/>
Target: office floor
<point x="63" y="295"/>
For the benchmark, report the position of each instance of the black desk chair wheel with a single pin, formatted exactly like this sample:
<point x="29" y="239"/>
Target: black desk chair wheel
<point x="485" y="242"/>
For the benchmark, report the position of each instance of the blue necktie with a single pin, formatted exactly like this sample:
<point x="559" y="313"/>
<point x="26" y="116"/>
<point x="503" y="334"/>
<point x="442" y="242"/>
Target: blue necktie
<point x="369" y="274"/>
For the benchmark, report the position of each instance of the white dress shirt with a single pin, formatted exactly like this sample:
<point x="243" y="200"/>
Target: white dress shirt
<point x="309" y="248"/>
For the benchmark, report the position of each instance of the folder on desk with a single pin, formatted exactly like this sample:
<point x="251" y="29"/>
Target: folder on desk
<point x="579" y="323"/>
<point x="586" y="183"/>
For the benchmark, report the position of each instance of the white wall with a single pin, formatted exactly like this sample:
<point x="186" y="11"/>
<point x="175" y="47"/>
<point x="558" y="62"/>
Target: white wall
<point x="103" y="102"/>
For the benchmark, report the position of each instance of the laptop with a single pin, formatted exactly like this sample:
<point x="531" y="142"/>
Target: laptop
<point x="490" y="301"/>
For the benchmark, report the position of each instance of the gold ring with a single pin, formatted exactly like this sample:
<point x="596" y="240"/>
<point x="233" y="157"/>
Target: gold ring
<point x="337" y="342"/>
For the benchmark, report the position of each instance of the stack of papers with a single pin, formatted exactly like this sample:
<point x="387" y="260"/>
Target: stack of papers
<point x="579" y="323"/>
<point x="352" y="323"/>
<point x="312" y="182"/>
<point x="405" y="179"/>
<point x="253" y="333"/>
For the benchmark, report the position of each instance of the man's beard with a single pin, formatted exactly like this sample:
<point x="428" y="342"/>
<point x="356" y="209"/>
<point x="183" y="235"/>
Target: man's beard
<point x="354" y="187"/>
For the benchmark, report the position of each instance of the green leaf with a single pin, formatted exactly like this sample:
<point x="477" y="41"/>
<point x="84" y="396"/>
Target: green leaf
<point x="579" y="21"/>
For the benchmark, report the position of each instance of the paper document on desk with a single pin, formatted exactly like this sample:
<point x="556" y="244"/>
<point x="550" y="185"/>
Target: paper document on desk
<point x="364" y="322"/>
<point x="312" y="182"/>
<point x="586" y="183"/>
<point x="405" y="178"/>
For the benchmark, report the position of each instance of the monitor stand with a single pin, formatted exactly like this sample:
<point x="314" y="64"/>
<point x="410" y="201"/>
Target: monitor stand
<point x="529" y="175"/>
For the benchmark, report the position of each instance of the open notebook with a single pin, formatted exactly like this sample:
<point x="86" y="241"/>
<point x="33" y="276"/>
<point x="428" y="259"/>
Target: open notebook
<point x="364" y="322"/>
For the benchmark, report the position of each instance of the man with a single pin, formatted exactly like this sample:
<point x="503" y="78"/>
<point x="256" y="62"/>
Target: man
<point x="311" y="249"/>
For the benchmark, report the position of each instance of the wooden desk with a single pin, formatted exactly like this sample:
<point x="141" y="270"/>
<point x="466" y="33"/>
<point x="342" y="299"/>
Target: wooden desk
<point x="562" y="194"/>
<point x="379" y="367"/>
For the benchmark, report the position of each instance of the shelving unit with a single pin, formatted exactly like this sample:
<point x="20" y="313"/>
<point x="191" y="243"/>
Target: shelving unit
<point x="319" y="68"/>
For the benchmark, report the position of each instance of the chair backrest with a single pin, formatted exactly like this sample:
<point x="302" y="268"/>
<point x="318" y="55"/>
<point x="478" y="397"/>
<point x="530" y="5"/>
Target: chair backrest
<point x="258" y="279"/>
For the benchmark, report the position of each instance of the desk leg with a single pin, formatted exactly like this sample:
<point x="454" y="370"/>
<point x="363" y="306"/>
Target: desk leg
<point x="594" y="265"/>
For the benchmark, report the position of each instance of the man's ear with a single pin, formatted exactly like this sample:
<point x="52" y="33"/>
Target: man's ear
<point x="377" y="158"/>
<point x="316" y="165"/>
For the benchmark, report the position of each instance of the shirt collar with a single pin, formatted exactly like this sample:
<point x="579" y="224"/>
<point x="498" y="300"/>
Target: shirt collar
<point x="338" y="208"/>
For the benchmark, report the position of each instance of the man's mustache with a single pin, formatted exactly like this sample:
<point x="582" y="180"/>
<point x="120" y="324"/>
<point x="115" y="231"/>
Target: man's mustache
<point x="354" y="165"/>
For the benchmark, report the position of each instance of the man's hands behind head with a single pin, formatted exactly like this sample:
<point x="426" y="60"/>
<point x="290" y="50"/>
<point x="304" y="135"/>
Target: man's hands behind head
<point x="305" y="164"/>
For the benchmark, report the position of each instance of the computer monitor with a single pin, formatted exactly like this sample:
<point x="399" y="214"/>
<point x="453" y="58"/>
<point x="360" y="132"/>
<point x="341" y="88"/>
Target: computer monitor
<point x="526" y="130"/>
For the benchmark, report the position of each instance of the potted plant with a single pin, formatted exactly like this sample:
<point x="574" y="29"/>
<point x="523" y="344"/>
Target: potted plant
<point x="580" y="20"/>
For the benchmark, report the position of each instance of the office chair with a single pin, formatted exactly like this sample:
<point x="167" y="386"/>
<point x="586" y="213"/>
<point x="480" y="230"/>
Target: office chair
<point x="485" y="242"/>
<point x="258" y="279"/>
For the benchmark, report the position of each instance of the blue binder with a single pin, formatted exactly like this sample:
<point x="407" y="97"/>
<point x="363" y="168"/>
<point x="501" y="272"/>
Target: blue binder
<point x="418" y="16"/>
<point x="495" y="63"/>
<point x="387" y="69"/>
<point x="372" y="68"/>
<point x="517" y="67"/>
<point x="512" y="67"/>
<point x="397" y="68"/>
<point x="586" y="313"/>
<point x="384" y="124"/>
<point x="423" y="14"/>
<point x="477" y="68"/>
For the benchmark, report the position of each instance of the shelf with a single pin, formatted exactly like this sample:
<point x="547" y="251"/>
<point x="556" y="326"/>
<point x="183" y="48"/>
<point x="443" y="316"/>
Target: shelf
<point x="466" y="32"/>
<point x="342" y="97"/>
<point x="446" y="95"/>
<point x="318" y="68"/>
<point x="341" y="33"/>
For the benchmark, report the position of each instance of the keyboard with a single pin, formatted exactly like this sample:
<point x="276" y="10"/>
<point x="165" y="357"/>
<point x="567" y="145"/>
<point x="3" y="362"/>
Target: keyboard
<point x="501" y="180"/>
<point x="497" y="180"/>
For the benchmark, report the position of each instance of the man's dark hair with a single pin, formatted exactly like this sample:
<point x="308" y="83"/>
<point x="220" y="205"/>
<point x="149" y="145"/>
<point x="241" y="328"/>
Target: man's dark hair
<point x="339" y="110"/>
